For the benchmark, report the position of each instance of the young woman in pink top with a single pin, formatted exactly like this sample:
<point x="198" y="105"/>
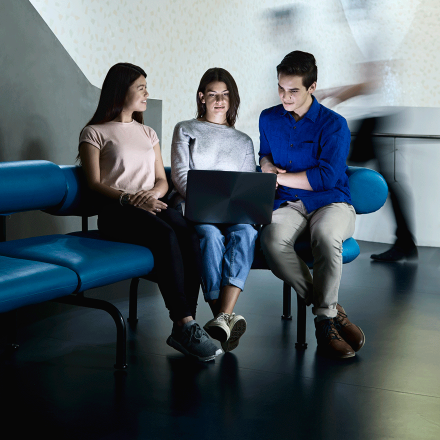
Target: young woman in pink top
<point x="122" y="162"/>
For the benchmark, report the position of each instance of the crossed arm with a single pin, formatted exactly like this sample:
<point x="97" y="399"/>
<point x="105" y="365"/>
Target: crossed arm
<point x="291" y="180"/>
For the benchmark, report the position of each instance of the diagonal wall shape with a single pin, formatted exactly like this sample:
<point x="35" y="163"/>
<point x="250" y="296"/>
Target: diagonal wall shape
<point x="45" y="100"/>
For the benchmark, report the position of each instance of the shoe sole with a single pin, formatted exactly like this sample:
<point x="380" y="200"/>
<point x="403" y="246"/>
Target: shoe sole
<point x="325" y="353"/>
<point x="237" y="332"/>
<point x="179" y="347"/>
<point x="216" y="332"/>
<point x="409" y="258"/>
<point x="363" y="334"/>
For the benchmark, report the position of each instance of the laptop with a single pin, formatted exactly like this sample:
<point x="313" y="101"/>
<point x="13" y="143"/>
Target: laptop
<point x="230" y="197"/>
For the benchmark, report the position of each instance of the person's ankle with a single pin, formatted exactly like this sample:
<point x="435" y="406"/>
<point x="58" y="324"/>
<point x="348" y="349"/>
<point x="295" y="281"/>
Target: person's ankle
<point x="319" y="318"/>
<point x="181" y="322"/>
<point x="214" y="306"/>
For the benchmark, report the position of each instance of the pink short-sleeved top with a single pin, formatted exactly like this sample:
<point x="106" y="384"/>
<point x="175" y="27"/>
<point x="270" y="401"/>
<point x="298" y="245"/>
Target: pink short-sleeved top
<point x="127" y="156"/>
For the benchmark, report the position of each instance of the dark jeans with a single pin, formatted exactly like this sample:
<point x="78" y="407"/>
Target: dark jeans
<point x="174" y="245"/>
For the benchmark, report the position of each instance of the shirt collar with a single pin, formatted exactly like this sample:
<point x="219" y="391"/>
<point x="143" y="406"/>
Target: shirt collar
<point x="312" y="113"/>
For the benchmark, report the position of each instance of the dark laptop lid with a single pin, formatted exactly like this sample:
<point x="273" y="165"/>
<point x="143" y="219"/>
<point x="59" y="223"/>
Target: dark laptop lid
<point x="230" y="197"/>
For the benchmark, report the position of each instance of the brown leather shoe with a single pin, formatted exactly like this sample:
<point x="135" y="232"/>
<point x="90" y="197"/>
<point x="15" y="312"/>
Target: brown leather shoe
<point x="330" y="342"/>
<point x="350" y="332"/>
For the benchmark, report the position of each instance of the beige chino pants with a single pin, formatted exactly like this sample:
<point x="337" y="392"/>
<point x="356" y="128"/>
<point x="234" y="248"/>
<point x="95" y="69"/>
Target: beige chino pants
<point x="329" y="227"/>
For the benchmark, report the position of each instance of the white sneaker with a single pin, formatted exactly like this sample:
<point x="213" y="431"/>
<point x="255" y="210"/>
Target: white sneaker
<point x="218" y="327"/>
<point x="237" y="326"/>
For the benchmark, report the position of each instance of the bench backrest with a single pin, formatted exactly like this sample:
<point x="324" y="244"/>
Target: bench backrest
<point x="30" y="185"/>
<point x="62" y="190"/>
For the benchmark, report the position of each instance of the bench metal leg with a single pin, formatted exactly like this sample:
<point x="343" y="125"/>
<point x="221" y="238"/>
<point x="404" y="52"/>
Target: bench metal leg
<point x="2" y="228"/>
<point x="9" y="324"/>
<point x="287" y="302"/>
<point x="301" y="343"/>
<point x="132" y="305"/>
<point x="121" y="333"/>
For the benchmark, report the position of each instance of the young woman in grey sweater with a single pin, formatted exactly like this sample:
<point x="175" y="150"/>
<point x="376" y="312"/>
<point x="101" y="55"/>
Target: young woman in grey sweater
<point x="211" y="142"/>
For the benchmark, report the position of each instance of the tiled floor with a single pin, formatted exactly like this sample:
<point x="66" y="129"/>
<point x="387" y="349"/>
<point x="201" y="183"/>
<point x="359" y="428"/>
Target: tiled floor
<point x="61" y="382"/>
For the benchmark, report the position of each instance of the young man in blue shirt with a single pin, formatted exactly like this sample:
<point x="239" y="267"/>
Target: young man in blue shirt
<point x="306" y="146"/>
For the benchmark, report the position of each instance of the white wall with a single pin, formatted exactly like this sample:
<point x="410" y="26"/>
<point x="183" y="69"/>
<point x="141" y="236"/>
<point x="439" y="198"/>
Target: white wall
<point x="176" y="41"/>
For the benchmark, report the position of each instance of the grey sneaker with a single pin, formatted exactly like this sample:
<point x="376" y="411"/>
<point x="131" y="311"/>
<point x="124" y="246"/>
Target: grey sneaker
<point x="218" y="327"/>
<point x="237" y="326"/>
<point x="192" y="340"/>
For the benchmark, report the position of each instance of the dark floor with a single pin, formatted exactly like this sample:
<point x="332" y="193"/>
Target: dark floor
<point x="61" y="382"/>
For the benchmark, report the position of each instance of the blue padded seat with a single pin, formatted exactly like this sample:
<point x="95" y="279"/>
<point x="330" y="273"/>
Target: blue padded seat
<point x="25" y="282"/>
<point x="96" y="262"/>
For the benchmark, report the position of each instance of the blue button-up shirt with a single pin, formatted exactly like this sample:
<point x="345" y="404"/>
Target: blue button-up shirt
<point x="318" y="144"/>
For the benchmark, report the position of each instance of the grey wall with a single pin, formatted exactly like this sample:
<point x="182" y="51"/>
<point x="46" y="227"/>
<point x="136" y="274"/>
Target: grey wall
<point x="409" y="146"/>
<point x="45" y="100"/>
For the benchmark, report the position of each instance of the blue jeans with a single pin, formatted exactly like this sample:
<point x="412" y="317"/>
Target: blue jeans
<point x="227" y="256"/>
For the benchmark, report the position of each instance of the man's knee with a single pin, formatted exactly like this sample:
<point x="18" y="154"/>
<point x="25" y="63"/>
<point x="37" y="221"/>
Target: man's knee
<point x="326" y="241"/>
<point x="273" y="238"/>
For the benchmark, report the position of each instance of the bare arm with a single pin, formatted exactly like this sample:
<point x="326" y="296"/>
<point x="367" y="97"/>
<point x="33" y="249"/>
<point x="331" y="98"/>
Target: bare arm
<point x="291" y="180"/>
<point x="90" y="162"/>
<point x="341" y="94"/>
<point x="294" y="180"/>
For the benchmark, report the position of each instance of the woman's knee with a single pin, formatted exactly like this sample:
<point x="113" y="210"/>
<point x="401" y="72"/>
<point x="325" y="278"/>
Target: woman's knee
<point x="245" y="235"/>
<point x="166" y="237"/>
<point x="209" y="233"/>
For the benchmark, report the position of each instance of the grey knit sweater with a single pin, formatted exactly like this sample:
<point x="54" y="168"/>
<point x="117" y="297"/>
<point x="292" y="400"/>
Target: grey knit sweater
<point x="200" y="145"/>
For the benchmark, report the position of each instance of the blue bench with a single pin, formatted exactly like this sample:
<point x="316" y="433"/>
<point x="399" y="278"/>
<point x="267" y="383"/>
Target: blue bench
<point x="62" y="267"/>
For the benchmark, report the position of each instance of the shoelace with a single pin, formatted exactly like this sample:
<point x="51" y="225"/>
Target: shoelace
<point x="330" y="330"/>
<point x="224" y="317"/>
<point x="338" y="320"/>
<point x="195" y="332"/>
<point x="343" y="315"/>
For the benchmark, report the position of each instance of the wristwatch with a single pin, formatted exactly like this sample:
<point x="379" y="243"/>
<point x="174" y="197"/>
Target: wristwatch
<point x="124" y="199"/>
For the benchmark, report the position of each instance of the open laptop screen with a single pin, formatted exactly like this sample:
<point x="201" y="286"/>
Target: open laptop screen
<point x="230" y="197"/>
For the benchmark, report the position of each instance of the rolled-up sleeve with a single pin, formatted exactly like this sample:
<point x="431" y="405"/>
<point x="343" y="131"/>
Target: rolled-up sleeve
<point x="264" y="143"/>
<point x="335" y="145"/>
<point x="180" y="159"/>
<point x="91" y="136"/>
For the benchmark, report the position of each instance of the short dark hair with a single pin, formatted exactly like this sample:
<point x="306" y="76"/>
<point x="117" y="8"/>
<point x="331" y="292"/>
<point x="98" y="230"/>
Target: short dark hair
<point x="301" y="64"/>
<point x="222" y="75"/>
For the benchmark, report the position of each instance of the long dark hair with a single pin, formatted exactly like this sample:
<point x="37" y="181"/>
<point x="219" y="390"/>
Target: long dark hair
<point x="114" y="90"/>
<point x="222" y="75"/>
